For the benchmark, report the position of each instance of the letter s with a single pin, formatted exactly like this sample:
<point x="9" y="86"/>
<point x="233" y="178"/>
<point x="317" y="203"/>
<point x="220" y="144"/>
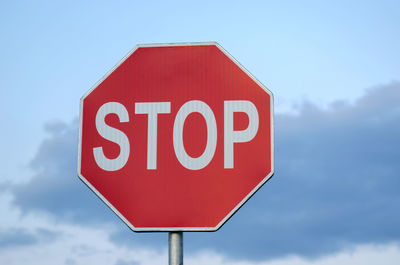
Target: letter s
<point x="113" y="135"/>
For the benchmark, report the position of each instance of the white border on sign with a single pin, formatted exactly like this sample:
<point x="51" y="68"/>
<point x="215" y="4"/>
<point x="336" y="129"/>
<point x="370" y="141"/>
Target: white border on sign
<point x="178" y="229"/>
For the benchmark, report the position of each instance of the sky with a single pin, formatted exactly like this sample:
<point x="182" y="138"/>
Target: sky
<point x="334" y="69"/>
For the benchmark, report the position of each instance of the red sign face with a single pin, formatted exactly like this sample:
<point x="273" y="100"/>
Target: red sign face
<point x="176" y="137"/>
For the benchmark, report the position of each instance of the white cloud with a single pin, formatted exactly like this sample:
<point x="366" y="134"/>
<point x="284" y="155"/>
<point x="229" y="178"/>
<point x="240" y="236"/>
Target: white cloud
<point x="76" y="244"/>
<point x="388" y="254"/>
<point x="72" y="245"/>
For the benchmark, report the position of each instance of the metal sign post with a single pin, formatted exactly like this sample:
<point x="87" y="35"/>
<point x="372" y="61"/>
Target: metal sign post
<point x="175" y="246"/>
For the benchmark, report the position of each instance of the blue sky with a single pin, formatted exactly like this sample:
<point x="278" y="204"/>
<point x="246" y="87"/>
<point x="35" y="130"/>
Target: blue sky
<point x="334" y="69"/>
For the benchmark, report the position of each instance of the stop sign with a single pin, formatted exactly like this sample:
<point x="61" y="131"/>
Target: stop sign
<point x="176" y="137"/>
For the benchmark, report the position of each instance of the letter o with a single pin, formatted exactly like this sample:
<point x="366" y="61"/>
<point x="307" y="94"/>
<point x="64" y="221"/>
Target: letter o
<point x="180" y="152"/>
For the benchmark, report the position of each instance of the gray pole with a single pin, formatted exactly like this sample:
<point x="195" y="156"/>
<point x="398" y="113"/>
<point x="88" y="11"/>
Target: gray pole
<point x="175" y="244"/>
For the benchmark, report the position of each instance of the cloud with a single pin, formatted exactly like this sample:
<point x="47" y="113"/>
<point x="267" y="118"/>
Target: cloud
<point x="124" y="262"/>
<point x="335" y="186"/>
<point x="40" y="239"/>
<point x="76" y="244"/>
<point x="360" y="255"/>
<point x="16" y="237"/>
<point x="55" y="187"/>
<point x="90" y="246"/>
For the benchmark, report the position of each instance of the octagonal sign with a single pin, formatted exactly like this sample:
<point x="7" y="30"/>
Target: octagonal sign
<point x="176" y="137"/>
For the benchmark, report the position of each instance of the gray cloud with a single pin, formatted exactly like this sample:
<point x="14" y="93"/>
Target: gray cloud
<point x="70" y="261"/>
<point x="55" y="187"/>
<point x="124" y="262"/>
<point x="15" y="237"/>
<point x="336" y="184"/>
